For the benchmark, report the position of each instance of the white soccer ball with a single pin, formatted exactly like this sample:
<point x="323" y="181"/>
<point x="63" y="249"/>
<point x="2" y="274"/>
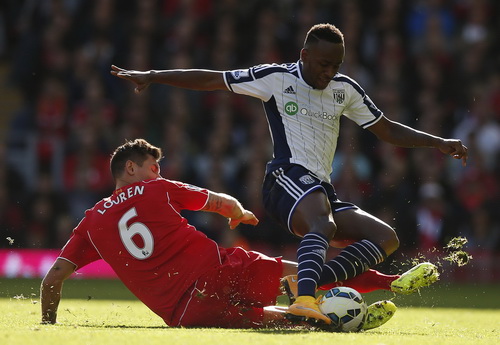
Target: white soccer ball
<point x="345" y="307"/>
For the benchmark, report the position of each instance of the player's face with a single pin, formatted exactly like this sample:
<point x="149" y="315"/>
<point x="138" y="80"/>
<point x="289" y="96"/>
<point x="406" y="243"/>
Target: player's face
<point x="320" y="62"/>
<point x="150" y="169"/>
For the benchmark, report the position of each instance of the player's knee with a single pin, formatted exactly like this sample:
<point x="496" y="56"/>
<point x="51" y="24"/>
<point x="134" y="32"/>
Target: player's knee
<point x="325" y="226"/>
<point x="390" y="242"/>
<point x="319" y="224"/>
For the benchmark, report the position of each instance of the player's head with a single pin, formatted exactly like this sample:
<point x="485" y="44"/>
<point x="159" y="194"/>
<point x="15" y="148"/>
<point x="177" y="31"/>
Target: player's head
<point x="322" y="54"/>
<point x="135" y="161"/>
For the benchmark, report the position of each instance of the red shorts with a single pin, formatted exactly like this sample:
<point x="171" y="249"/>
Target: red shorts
<point x="233" y="295"/>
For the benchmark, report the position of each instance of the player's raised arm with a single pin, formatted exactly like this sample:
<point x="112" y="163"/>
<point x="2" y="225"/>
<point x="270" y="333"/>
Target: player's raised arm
<point x="230" y="208"/>
<point x="194" y="79"/>
<point x="51" y="288"/>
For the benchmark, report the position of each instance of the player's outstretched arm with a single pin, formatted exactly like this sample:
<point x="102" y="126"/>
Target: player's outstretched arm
<point x="229" y="207"/>
<point x="194" y="79"/>
<point x="51" y="288"/>
<point x="400" y="135"/>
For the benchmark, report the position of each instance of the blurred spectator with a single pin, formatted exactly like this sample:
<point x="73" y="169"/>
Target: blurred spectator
<point x="433" y="217"/>
<point x="86" y="174"/>
<point x="427" y="21"/>
<point x="43" y="207"/>
<point x="51" y="119"/>
<point x="12" y="195"/>
<point x="96" y="112"/>
<point x="484" y="229"/>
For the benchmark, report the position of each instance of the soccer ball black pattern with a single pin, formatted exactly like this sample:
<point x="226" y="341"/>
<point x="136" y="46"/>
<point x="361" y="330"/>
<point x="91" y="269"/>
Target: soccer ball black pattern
<point x="345" y="307"/>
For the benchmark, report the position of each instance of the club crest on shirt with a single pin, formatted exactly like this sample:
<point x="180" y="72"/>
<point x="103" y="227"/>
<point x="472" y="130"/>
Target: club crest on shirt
<point x="307" y="179"/>
<point x="239" y="74"/>
<point x="339" y="96"/>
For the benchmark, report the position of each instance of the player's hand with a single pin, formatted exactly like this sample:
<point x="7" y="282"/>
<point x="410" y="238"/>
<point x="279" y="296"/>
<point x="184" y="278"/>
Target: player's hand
<point x="49" y="317"/>
<point x="247" y="218"/>
<point x="139" y="78"/>
<point x="44" y="322"/>
<point x="454" y="148"/>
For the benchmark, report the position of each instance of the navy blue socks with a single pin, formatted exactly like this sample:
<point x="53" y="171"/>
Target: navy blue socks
<point x="311" y="257"/>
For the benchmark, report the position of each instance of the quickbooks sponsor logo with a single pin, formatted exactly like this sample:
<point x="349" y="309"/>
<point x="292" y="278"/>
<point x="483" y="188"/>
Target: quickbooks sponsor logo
<point x="291" y="108"/>
<point x="319" y="115"/>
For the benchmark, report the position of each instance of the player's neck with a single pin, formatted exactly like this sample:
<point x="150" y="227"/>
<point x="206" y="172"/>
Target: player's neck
<point x="120" y="183"/>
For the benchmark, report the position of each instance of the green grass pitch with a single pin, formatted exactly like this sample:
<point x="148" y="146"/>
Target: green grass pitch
<point x="104" y="312"/>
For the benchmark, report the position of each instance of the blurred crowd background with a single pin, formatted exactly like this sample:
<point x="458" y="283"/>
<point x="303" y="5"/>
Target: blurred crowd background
<point x="431" y="64"/>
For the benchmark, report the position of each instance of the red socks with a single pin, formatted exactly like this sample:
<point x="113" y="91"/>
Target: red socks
<point x="368" y="281"/>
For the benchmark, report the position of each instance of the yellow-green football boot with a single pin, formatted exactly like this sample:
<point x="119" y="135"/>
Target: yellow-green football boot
<point x="420" y="276"/>
<point x="378" y="313"/>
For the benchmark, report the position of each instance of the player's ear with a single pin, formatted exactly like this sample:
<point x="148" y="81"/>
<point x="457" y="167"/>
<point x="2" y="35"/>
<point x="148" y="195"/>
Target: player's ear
<point x="304" y="54"/>
<point x="129" y="167"/>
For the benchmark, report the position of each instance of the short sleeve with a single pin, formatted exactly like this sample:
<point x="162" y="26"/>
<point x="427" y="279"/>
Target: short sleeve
<point x="186" y="196"/>
<point x="255" y="82"/>
<point x="360" y="108"/>
<point x="79" y="251"/>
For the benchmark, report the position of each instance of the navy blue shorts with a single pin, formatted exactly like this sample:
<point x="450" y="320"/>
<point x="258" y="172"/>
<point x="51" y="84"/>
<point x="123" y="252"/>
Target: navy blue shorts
<point x="286" y="186"/>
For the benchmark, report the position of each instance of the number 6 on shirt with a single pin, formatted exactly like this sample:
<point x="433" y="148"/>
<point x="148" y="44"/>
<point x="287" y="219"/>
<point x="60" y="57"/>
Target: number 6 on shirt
<point x="128" y="232"/>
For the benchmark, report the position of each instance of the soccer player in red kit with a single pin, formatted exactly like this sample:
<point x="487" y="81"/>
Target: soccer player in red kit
<point x="175" y="270"/>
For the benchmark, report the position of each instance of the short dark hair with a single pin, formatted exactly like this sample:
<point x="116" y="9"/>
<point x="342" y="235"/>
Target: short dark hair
<point x="327" y="32"/>
<point x="137" y="151"/>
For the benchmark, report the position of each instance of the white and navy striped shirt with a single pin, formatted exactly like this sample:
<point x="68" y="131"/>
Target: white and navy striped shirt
<point x="303" y="121"/>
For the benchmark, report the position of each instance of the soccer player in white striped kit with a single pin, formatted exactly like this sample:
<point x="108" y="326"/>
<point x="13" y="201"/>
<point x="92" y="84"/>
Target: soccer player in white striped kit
<point x="303" y="102"/>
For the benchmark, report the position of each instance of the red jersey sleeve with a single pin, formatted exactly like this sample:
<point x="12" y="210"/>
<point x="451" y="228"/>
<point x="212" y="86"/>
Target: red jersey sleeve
<point x="187" y="196"/>
<point x="78" y="250"/>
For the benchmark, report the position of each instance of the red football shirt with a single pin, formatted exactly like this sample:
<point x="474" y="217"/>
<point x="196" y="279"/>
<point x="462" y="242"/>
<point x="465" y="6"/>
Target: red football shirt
<point x="141" y="234"/>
